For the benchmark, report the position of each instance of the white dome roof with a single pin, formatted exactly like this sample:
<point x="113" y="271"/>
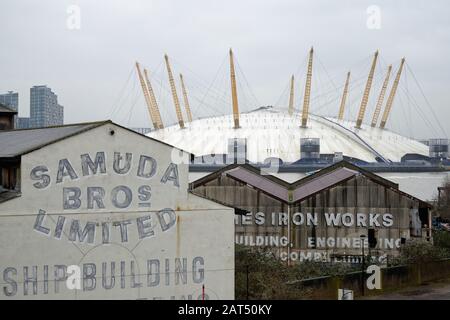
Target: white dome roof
<point x="273" y="133"/>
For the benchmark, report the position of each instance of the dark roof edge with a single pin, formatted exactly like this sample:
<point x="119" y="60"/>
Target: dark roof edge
<point x="247" y="166"/>
<point x="293" y="185"/>
<point x="329" y="187"/>
<point x="211" y="176"/>
<point x="348" y="165"/>
<point x="89" y="126"/>
<point x="153" y="139"/>
<point x="62" y="125"/>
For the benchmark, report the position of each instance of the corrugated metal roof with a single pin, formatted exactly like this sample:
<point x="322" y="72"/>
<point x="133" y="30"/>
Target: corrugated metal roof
<point x="212" y="176"/>
<point x="261" y="182"/>
<point x="322" y="182"/>
<point x="14" y="143"/>
<point x="348" y="165"/>
<point x="302" y="188"/>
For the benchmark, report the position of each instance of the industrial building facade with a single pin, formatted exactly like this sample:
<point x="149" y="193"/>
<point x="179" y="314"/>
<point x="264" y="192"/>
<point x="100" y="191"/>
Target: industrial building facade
<point x="322" y="216"/>
<point x="97" y="211"/>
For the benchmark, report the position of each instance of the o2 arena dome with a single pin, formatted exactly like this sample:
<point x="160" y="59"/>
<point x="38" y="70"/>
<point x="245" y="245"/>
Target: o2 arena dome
<point x="269" y="133"/>
<point x="272" y="133"/>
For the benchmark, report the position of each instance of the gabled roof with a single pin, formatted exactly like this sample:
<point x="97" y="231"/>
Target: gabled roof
<point x="263" y="183"/>
<point x="321" y="182"/>
<point x="348" y="165"/>
<point x="246" y="166"/>
<point x="302" y="188"/>
<point x="14" y="143"/>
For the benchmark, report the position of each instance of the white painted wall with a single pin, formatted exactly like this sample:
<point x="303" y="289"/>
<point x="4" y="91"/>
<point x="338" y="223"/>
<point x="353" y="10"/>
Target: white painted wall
<point x="202" y="236"/>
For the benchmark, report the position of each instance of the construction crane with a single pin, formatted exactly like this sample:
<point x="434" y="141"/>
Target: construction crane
<point x="176" y="102"/>
<point x="234" y="92"/>
<point x="186" y="101"/>
<point x="291" y="97"/>
<point x="306" y="98"/>
<point x="153" y="101"/>
<point x="344" y="98"/>
<point x="391" y="97"/>
<point x="365" y="99"/>
<point x="147" y="97"/>
<point x="381" y="98"/>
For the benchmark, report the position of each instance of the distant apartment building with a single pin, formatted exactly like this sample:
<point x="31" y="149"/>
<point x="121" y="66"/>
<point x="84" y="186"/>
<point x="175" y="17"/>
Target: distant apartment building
<point x="11" y="100"/>
<point x="23" y="123"/>
<point x="44" y="108"/>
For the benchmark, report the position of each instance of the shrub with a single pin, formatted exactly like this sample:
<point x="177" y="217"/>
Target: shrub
<point x="419" y="252"/>
<point x="441" y="239"/>
<point x="269" y="277"/>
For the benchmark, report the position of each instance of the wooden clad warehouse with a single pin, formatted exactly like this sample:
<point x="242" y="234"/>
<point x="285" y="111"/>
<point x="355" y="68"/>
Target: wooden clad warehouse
<point x="328" y="211"/>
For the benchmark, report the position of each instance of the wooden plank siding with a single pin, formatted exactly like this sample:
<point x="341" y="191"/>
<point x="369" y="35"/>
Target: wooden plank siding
<point x="359" y="194"/>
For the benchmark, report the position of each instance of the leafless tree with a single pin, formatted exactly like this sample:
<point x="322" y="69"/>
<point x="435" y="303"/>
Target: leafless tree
<point x="444" y="199"/>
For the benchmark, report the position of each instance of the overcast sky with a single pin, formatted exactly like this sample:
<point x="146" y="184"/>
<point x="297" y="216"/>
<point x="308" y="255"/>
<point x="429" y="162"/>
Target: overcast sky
<point x="91" y="68"/>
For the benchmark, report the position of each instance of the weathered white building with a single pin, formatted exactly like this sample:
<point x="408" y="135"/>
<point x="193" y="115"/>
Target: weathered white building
<point x="111" y="206"/>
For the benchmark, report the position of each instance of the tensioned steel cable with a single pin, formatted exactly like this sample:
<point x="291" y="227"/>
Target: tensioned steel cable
<point x="117" y="100"/>
<point x="426" y="99"/>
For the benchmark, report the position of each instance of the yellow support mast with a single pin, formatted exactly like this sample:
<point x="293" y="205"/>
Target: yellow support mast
<point x="365" y="99"/>
<point x="153" y="101"/>
<point x="234" y="92"/>
<point x="381" y="98"/>
<point x="391" y="97"/>
<point x="291" y="97"/>
<point x="176" y="102"/>
<point x="344" y="98"/>
<point x="147" y="97"/>
<point x="186" y="101"/>
<point x="307" y="95"/>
